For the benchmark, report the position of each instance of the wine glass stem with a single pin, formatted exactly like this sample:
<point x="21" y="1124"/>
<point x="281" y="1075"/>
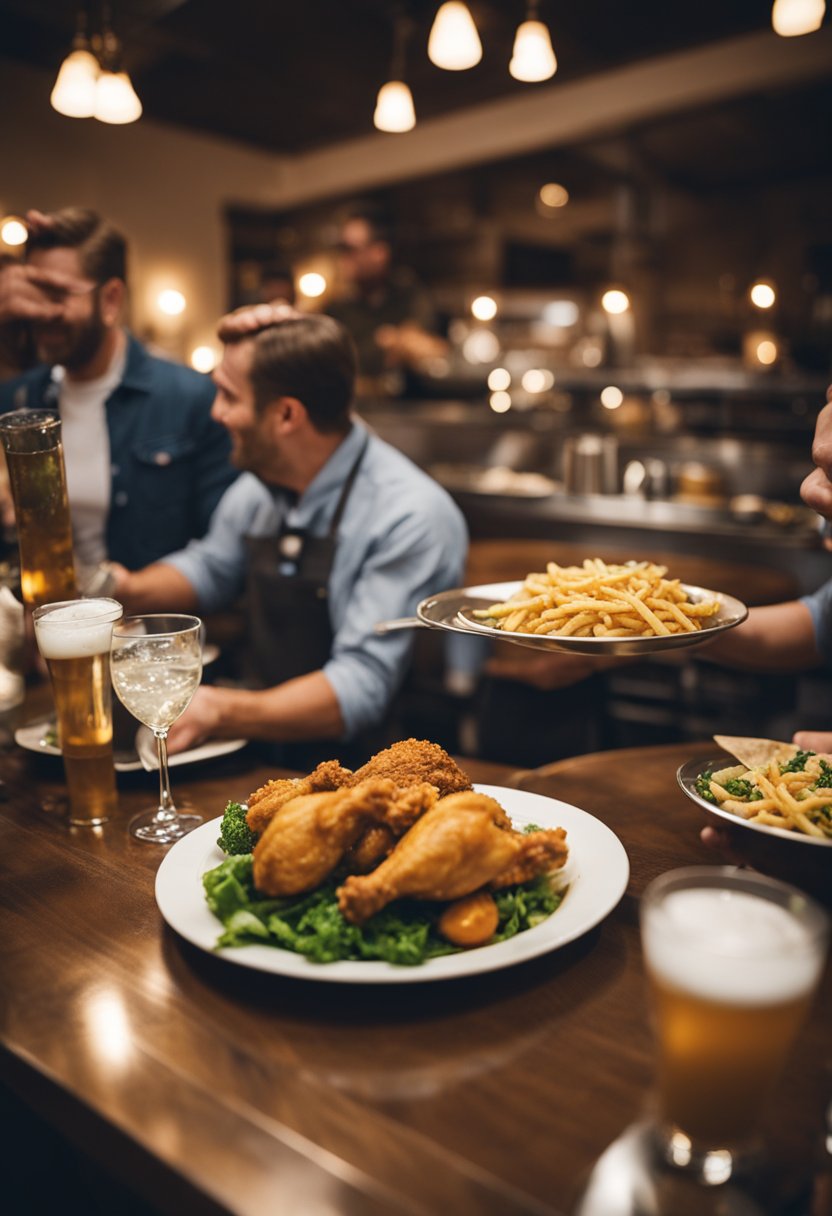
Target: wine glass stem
<point x="166" y="811"/>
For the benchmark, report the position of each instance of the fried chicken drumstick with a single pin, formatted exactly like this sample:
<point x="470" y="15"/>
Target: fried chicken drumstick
<point x="459" y="845"/>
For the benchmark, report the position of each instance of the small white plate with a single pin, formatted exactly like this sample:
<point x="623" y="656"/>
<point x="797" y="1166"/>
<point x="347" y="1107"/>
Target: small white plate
<point x="31" y="738"/>
<point x="597" y="873"/>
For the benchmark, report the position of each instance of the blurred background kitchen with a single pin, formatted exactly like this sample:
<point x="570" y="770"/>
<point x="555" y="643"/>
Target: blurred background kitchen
<point x="598" y="242"/>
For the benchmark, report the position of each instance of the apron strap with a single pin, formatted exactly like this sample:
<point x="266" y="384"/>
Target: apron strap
<point x="345" y="493"/>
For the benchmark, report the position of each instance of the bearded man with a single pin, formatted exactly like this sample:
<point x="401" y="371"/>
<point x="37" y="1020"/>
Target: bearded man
<point x="145" y="462"/>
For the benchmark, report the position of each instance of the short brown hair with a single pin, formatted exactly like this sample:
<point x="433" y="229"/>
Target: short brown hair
<point x="101" y="248"/>
<point x="311" y="358"/>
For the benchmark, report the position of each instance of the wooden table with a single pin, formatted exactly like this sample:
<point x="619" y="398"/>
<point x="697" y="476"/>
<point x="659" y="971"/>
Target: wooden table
<point x="208" y="1088"/>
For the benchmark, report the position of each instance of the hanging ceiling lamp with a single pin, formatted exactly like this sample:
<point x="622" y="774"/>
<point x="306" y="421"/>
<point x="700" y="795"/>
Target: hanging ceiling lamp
<point x="532" y="58"/>
<point x="116" y="101"/>
<point x="394" y="105"/>
<point x="454" y="43"/>
<point x="790" y="18"/>
<point x="73" y="93"/>
<point x="91" y="82"/>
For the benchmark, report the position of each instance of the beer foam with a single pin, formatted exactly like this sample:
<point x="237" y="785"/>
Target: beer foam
<point x="77" y="629"/>
<point x="730" y="946"/>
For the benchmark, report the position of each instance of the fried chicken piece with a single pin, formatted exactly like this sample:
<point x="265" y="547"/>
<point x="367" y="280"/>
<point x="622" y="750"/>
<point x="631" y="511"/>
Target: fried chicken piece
<point x="377" y="841"/>
<point x="308" y="835"/>
<point x="412" y="761"/>
<point x="540" y="853"/>
<point x="266" y="801"/>
<point x="455" y="848"/>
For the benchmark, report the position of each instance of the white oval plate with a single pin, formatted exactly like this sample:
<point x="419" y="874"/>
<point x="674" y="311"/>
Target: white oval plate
<point x="597" y="872"/>
<point x="31" y="739"/>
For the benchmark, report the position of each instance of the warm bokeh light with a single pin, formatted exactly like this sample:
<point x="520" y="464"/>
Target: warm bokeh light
<point x="203" y="358"/>
<point x="553" y="195"/>
<point x="537" y="380"/>
<point x="481" y="346"/>
<point x="394" y="108"/>
<point x="767" y="352"/>
<point x="171" y="302"/>
<point x="561" y="313"/>
<point x="763" y="295"/>
<point x="615" y="301"/>
<point x="74" y="91"/>
<point x="532" y="58"/>
<point x="484" y="308"/>
<point x="13" y="231"/>
<point x="791" y="18"/>
<point x="116" y="101"/>
<point x="500" y="402"/>
<point x="454" y="43"/>
<point x="311" y="285"/>
<point x="499" y="378"/>
<point x="611" y="397"/>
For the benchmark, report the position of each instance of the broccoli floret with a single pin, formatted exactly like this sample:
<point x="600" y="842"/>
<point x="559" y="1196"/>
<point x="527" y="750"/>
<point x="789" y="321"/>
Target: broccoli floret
<point x="235" y="834"/>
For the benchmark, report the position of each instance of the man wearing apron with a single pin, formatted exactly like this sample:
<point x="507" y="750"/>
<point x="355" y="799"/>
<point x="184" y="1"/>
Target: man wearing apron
<point x="328" y="530"/>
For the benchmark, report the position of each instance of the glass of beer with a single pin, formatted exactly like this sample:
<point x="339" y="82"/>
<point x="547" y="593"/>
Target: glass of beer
<point x="733" y="959"/>
<point x="156" y="669"/>
<point x="34" y="453"/>
<point x="74" y="638"/>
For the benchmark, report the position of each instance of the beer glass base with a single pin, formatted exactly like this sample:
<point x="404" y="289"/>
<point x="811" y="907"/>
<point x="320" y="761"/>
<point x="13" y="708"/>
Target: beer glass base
<point x="149" y="826"/>
<point x="712" y="1165"/>
<point x="88" y="823"/>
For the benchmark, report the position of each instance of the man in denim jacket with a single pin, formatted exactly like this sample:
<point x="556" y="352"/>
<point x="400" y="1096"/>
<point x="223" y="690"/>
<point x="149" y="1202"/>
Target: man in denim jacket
<point x="146" y="464"/>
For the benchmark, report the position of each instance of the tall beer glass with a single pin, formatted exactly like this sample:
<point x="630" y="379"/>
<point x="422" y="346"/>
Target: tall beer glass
<point x="35" y="457"/>
<point x="75" y="637"/>
<point x="733" y="959"/>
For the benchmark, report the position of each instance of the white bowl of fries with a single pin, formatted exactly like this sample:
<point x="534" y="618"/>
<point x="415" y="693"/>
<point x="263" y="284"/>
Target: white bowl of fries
<point x="773" y="802"/>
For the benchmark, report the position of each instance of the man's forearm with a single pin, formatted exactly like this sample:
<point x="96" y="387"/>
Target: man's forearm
<point x="777" y="637"/>
<point x="303" y="708"/>
<point x="156" y="588"/>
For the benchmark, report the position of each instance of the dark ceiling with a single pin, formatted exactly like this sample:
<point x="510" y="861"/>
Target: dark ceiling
<point x="289" y="76"/>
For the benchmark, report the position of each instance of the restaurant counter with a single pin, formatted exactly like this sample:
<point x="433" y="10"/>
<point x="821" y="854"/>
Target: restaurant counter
<point x="207" y="1087"/>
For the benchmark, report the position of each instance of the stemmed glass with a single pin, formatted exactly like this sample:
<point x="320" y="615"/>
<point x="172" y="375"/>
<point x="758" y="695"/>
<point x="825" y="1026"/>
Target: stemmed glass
<point x="156" y="665"/>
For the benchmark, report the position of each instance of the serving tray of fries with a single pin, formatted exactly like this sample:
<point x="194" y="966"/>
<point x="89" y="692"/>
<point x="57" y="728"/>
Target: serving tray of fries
<point x="593" y="610"/>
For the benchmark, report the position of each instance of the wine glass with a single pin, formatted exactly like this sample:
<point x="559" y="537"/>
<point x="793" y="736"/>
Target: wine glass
<point x="156" y="665"/>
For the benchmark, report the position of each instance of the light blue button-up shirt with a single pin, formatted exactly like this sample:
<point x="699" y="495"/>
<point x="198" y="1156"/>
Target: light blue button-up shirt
<point x="819" y="604"/>
<point x="401" y="538"/>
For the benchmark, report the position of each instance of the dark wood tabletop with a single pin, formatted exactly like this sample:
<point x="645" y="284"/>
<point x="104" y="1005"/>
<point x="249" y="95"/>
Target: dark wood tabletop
<point x="208" y="1087"/>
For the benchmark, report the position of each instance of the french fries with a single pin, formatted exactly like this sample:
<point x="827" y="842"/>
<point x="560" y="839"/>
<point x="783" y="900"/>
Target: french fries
<point x="795" y="800"/>
<point x="601" y="601"/>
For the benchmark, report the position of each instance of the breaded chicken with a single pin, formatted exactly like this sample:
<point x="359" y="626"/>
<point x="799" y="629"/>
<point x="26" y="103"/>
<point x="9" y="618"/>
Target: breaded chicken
<point x="456" y="848"/>
<point x="307" y="837"/>
<point x="266" y="801"/>
<point x="412" y="761"/>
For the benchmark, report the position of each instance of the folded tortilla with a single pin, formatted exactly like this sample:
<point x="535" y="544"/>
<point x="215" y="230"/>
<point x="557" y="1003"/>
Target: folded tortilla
<point x="756" y="753"/>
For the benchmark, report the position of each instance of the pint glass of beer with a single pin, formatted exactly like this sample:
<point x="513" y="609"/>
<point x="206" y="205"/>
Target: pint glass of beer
<point x="75" y="637"/>
<point x="31" y="440"/>
<point x="733" y="959"/>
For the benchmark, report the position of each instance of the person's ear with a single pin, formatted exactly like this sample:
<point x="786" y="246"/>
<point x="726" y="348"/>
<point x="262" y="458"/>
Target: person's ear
<point x="290" y="414"/>
<point x="112" y="295"/>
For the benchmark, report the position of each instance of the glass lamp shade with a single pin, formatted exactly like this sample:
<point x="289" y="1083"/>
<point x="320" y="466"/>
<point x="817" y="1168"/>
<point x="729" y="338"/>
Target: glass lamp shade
<point x="75" y="87"/>
<point x="790" y="18"/>
<point x="394" y="108"/>
<point x="454" y="43"/>
<point x="115" y="99"/>
<point x="533" y="58"/>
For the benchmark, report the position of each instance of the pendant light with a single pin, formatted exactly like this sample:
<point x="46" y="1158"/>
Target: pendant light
<point x="116" y="101"/>
<point x="790" y="18"/>
<point x="394" y="110"/>
<point x="454" y="43"/>
<point x="533" y="58"/>
<point x="73" y="93"/>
